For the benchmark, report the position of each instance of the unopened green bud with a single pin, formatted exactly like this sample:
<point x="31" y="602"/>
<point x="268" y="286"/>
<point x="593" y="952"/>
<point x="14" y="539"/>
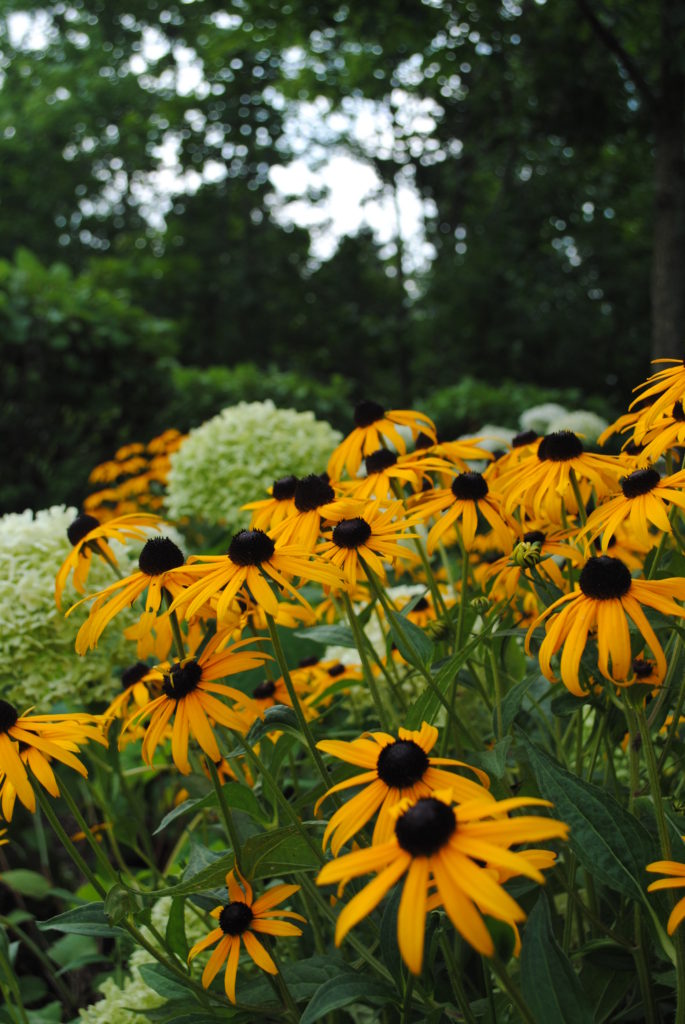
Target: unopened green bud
<point x="526" y="554"/>
<point x="438" y="630"/>
<point x="480" y="604"/>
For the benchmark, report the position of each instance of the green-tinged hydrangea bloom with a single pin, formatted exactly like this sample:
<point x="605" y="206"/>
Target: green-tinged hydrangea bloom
<point x="37" y="660"/>
<point x="118" y="1001"/>
<point x="586" y="424"/>
<point x="539" y="417"/>
<point x="236" y="456"/>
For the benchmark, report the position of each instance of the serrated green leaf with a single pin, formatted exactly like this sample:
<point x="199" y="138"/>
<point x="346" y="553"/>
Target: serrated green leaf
<point x="493" y="761"/>
<point x="550" y="986"/>
<point x="608" y="841"/>
<point x="511" y="703"/>
<point x="342" y="991"/>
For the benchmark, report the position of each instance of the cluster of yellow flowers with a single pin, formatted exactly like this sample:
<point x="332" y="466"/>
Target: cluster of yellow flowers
<point x="539" y="521"/>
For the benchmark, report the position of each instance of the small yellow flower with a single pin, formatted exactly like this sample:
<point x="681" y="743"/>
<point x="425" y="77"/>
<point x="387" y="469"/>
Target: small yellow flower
<point x="240" y="921"/>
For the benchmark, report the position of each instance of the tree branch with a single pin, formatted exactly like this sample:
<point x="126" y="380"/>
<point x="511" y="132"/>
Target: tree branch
<point x="614" y="46"/>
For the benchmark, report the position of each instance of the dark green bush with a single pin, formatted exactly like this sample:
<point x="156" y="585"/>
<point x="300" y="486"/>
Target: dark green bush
<point x="465" y="407"/>
<point x="82" y="374"/>
<point x="199" y="393"/>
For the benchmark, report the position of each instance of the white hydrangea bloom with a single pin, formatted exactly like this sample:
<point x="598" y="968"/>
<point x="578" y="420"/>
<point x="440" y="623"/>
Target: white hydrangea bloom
<point x="583" y="422"/>
<point x="38" y="663"/>
<point x="118" y="1002"/>
<point x="235" y="456"/>
<point x="539" y="417"/>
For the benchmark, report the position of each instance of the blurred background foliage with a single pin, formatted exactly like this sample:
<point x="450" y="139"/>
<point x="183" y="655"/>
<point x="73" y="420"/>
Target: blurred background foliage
<point x="536" y="134"/>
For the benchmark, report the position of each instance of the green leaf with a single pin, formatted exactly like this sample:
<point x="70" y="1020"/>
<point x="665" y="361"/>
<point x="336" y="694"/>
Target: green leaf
<point x="511" y="704"/>
<point x="119" y="902"/>
<point x="333" y="636"/>
<point x="163" y="981"/>
<point x="550" y="986"/>
<point x="414" y="645"/>
<point x="176" y="929"/>
<point x="87" y="920"/>
<point x="26" y="883"/>
<point x="493" y="761"/>
<point x="609" y="842"/>
<point x="427" y="706"/>
<point x="279" y="717"/>
<point x="279" y="852"/>
<point x="342" y="991"/>
<point x="237" y="796"/>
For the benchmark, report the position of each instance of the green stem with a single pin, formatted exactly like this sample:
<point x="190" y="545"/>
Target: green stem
<point x="297" y="707"/>
<point x="507" y="985"/>
<point x="66" y="842"/>
<point x="13" y="987"/>
<point x="642" y="969"/>
<point x="360" y="640"/>
<point x="225" y="814"/>
<point x="497" y="681"/>
<point x="48" y="967"/>
<point x="582" y="515"/>
<point x="406" y="1004"/>
<point x="175" y="628"/>
<point x="455" y="976"/>
<point x="103" y="862"/>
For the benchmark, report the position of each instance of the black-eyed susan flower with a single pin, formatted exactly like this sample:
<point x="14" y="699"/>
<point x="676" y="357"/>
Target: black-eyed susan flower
<point x="461" y="503"/>
<point x="188" y="696"/>
<point x="314" y="500"/>
<point x="269" y="512"/>
<point x="434" y="843"/>
<point x="374" y="535"/>
<point x="665" y="433"/>
<point x="239" y="922"/>
<point x="676" y="871"/>
<point x="605" y="598"/>
<point x="88" y="535"/>
<point x="396" y="767"/>
<point x="544" y="550"/>
<point x="139" y="683"/>
<point x="645" y="499"/>
<point x="662" y="390"/>
<point x="253" y="562"/>
<point x="386" y="471"/>
<point x="158" y="571"/>
<point x="541" y="483"/>
<point x="373" y="425"/>
<point x="35" y="739"/>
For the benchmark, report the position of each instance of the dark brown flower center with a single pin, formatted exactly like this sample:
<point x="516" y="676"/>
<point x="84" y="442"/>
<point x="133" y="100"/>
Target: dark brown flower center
<point x="182" y="680"/>
<point x="160" y="555"/>
<point x="81" y="527"/>
<point x="351" y="533"/>
<point x="642" y="668"/>
<point x="469" y="487"/>
<point x="421" y="605"/>
<point x="380" y="460"/>
<point x="312" y="492"/>
<point x="284" y="488"/>
<point x="366" y="413"/>
<point x="336" y="670"/>
<point x="312" y="659"/>
<point x="401" y="764"/>
<point x="642" y="481"/>
<point x="423" y="441"/>
<point x="426" y="827"/>
<point x="534" y="537"/>
<point x="251" y="547"/>
<point x="8" y="716"/>
<point x="560" y="447"/>
<point x="235" y="918"/>
<point x="133" y="674"/>
<point x="264" y="690"/>
<point x="678" y="413"/>
<point x="525" y="437"/>
<point x="605" y="578"/>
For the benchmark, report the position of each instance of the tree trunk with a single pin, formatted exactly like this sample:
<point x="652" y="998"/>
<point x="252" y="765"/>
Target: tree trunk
<point x="668" y="262"/>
